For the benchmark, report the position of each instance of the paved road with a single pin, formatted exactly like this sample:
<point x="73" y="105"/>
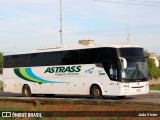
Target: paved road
<point x="152" y="98"/>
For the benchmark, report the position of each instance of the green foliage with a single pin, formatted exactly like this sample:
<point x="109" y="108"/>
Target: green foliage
<point x="157" y="87"/>
<point x="1" y="86"/>
<point x="12" y="108"/>
<point x="1" y="62"/>
<point x="153" y="71"/>
<point x="147" y="53"/>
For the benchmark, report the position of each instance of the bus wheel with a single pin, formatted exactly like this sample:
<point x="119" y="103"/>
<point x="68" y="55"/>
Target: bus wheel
<point x="96" y="92"/>
<point x="26" y="91"/>
<point x="121" y="97"/>
<point x="49" y="95"/>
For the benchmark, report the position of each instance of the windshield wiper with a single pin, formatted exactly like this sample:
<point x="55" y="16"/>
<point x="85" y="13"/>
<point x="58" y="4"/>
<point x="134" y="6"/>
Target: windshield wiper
<point x="134" y="73"/>
<point x="137" y="72"/>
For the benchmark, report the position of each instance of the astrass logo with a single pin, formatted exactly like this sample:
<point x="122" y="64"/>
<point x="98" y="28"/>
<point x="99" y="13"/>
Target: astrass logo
<point x="70" y="69"/>
<point x="27" y="74"/>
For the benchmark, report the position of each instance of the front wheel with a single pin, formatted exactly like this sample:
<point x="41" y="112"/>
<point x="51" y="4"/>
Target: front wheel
<point x="96" y="92"/>
<point x="26" y="91"/>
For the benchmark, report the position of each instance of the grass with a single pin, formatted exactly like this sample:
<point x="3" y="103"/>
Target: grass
<point x="1" y="85"/>
<point x="154" y="87"/>
<point x="12" y="108"/>
<point x="9" y="109"/>
<point x="19" y="109"/>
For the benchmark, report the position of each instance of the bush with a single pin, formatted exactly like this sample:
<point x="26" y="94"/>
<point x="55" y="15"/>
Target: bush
<point x="1" y="62"/>
<point x="0" y="70"/>
<point x="153" y="71"/>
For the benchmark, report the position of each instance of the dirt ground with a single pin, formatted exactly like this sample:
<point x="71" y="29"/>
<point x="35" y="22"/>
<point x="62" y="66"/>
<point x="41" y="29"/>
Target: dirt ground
<point x="82" y="107"/>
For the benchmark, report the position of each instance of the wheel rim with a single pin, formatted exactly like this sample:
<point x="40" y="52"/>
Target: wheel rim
<point x="26" y="91"/>
<point x="96" y="92"/>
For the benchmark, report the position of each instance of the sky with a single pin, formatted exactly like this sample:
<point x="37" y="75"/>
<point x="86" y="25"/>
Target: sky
<point x="26" y="25"/>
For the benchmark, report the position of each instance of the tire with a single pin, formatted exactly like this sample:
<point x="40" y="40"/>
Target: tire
<point x="49" y="95"/>
<point x="121" y="97"/>
<point x="26" y="91"/>
<point x="96" y="92"/>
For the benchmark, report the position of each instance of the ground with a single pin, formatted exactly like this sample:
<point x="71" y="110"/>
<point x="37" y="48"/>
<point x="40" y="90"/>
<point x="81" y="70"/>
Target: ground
<point x="116" y="107"/>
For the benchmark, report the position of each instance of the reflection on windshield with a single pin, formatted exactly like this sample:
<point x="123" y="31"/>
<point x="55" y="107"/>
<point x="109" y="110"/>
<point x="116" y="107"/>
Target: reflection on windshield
<point x="136" y="70"/>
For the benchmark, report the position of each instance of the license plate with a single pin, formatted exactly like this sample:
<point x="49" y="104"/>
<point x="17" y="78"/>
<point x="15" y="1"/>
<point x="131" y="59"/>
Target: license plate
<point x="138" y="90"/>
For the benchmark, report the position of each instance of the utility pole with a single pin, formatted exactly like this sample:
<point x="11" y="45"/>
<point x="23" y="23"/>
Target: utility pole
<point x="129" y="35"/>
<point x="61" y="22"/>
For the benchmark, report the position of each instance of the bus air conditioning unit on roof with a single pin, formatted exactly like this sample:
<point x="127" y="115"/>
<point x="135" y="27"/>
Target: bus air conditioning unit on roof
<point x="86" y="42"/>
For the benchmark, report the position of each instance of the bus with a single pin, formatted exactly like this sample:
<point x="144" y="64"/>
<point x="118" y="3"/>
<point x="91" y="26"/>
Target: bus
<point x="96" y="70"/>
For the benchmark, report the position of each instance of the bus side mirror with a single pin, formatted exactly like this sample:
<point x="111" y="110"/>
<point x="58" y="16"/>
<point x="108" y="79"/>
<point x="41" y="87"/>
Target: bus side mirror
<point x="123" y="62"/>
<point x="155" y="61"/>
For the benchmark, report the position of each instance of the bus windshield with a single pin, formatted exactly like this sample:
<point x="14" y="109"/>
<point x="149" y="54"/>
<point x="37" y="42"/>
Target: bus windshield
<point x="136" y="65"/>
<point x="136" y="69"/>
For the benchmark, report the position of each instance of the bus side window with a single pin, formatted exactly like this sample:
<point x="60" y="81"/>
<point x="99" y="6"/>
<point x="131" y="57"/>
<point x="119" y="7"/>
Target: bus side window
<point x="112" y="70"/>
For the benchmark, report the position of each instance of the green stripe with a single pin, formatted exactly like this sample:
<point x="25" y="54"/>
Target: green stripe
<point x="23" y="72"/>
<point x="17" y="72"/>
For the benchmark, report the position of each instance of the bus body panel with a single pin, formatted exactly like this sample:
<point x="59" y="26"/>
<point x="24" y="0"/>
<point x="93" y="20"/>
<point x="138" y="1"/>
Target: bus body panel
<point x="135" y="88"/>
<point x="73" y="84"/>
<point x="76" y="83"/>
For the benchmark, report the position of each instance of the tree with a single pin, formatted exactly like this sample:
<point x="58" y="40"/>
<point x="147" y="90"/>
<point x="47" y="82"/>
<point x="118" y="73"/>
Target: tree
<point x="153" y="71"/>
<point x="1" y="62"/>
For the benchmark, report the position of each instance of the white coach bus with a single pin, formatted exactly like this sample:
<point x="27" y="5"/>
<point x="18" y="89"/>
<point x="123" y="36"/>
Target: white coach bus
<point x="96" y="70"/>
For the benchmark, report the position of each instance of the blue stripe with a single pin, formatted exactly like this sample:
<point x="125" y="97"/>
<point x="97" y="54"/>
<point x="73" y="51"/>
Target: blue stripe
<point x="31" y="74"/>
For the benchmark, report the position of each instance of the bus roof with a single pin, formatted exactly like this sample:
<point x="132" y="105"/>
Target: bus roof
<point x="75" y="47"/>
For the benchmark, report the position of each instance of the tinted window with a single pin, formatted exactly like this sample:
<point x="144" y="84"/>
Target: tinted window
<point x="88" y="56"/>
<point x="70" y="57"/>
<point x="108" y="55"/>
<point x="97" y="55"/>
<point x="16" y="60"/>
<point x="38" y="59"/>
<point x="83" y="56"/>
<point x="129" y="52"/>
<point x="53" y="58"/>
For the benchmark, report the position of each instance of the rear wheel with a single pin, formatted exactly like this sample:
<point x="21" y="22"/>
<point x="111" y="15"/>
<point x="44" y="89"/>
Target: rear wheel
<point x="49" y="95"/>
<point x="96" y="92"/>
<point x="26" y="91"/>
<point x="121" y="97"/>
